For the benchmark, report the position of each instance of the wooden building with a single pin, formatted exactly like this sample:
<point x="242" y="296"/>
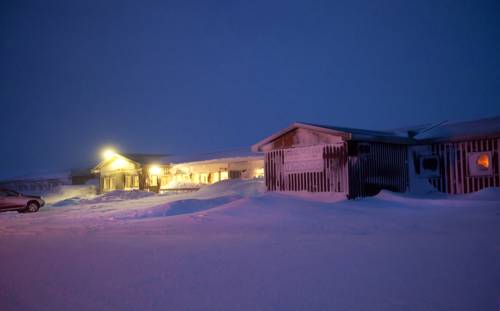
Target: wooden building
<point x="162" y="173"/>
<point x="319" y="158"/>
<point x="209" y="168"/>
<point x="453" y="158"/>
<point x="129" y="171"/>
<point x="457" y="158"/>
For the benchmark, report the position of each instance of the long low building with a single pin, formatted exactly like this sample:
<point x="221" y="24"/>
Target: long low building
<point x="450" y="157"/>
<point x="42" y="183"/>
<point x="161" y="173"/>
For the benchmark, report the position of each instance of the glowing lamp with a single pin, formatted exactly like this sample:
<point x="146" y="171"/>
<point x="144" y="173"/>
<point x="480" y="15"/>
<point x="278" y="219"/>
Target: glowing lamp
<point x="119" y="164"/>
<point x="108" y="154"/>
<point x="483" y="161"/>
<point x="480" y="163"/>
<point x="154" y="170"/>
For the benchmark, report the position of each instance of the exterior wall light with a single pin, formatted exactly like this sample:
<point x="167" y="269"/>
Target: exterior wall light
<point x="154" y="170"/>
<point x="483" y="161"/>
<point x="108" y="153"/>
<point x="480" y="163"/>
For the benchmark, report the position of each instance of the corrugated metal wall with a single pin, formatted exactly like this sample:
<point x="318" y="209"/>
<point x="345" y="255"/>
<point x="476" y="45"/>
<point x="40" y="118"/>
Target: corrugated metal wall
<point x="333" y="178"/>
<point x="454" y="171"/>
<point x="385" y="166"/>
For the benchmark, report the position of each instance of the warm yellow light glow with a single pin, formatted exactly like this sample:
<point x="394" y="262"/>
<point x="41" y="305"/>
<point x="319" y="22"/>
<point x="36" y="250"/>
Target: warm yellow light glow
<point x="483" y="161"/>
<point x="108" y="153"/>
<point x="224" y="175"/>
<point x="118" y="164"/>
<point x="259" y="173"/>
<point x="204" y="178"/>
<point x="215" y="177"/>
<point x="154" y="170"/>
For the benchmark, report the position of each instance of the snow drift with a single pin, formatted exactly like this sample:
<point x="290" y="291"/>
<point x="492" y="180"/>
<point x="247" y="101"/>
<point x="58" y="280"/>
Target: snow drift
<point x="232" y="246"/>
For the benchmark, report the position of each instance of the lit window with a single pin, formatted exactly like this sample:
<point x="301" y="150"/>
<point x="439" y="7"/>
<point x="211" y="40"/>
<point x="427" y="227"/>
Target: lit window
<point x="259" y="173"/>
<point x="204" y="178"/>
<point x="136" y="181"/>
<point x="483" y="161"/>
<point x="163" y="181"/>
<point x="215" y="177"/>
<point x="195" y="178"/>
<point x="153" y="181"/>
<point x="128" y="181"/>
<point x="480" y="163"/>
<point x="107" y="183"/>
<point x="224" y="175"/>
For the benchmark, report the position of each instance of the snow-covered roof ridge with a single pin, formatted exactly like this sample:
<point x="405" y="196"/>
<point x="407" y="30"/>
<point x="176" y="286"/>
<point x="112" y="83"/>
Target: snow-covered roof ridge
<point x="487" y="127"/>
<point x="345" y="132"/>
<point x="357" y="130"/>
<point x="231" y="153"/>
<point x="145" y="158"/>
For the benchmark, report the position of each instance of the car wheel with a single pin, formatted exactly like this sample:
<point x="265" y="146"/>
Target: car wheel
<point x="32" y="207"/>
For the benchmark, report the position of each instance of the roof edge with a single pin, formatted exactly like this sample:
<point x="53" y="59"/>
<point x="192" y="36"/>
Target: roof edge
<point x="257" y="146"/>
<point x="96" y="168"/>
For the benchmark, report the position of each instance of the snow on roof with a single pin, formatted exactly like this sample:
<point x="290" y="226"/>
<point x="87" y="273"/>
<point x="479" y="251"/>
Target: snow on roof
<point x="489" y="127"/>
<point x="145" y="158"/>
<point x="410" y="131"/>
<point x="345" y="132"/>
<point x="228" y="155"/>
<point x="234" y="154"/>
<point x="361" y="133"/>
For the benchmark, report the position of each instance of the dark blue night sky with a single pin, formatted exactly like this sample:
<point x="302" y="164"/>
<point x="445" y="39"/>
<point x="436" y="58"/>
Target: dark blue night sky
<point x="194" y="76"/>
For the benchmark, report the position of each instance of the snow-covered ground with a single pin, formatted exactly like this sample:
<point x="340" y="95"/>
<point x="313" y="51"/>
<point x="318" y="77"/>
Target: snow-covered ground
<point x="231" y="246"/>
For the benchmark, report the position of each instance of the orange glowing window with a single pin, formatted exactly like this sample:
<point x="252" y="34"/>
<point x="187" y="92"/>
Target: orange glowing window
<point x="483" y="161"/>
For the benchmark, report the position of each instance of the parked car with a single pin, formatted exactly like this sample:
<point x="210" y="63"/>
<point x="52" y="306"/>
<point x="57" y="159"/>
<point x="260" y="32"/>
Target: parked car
<point x="13" y="201"/>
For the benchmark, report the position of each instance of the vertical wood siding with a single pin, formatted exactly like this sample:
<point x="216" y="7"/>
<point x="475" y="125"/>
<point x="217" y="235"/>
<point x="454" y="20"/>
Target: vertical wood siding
<point x="333" y="178"/>
<point x="454" y="167"/>
<point x="385" y="166"/>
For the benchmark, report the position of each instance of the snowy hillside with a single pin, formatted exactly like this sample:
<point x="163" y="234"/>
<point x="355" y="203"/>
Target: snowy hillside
<point x="232" y="246"/>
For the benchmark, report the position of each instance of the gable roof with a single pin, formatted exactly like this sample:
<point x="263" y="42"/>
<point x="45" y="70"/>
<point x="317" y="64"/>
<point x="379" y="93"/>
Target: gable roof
<point x="344" y="132"/>
<point x="489" y="127"/>
<point x="106" y="161"/>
